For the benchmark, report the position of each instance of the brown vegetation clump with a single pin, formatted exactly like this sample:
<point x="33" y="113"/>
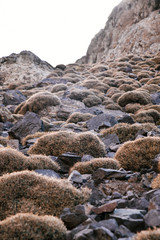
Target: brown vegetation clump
<point x="31" y="136"/>
<point x="89" y="167"/>
<point x="156" y="182"/>
<point x="12" y="160"/>
<point x="79" y="117"/>
<point x="150" y="115"/>
<point x="60" y="142"/>
<point x="138" y="154"/>
<point x="30" y="226"/>
<point x="148" y="235"/>
<point x="155" y="80"/>
<point x="152" y="88"/>
<point x="140" y="97"/>
<point x="3" y="141"/>
<point x="95" y="84"/>
<point x="113" y="106"/>
<point x="59" y="87"/>
<point x="92" y="100"/>
<point x="126" y="132"/>
<point x="37" y="102"/>
<point x="80" y="95"/>
<point x="126" y="87"/>
<point x="132" y="107"/>
<point x="29" y="192"/>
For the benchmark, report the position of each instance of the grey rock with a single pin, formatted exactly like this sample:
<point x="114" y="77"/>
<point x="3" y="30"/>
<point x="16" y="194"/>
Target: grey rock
<point x="73" y="218"/>
<point x="67" y="160"/>
<point x="75" y="177"/>
<point x="86" y="234"/>
<point x="102" y="120"/>
<point x="126" y="119"/>
<point x="48" y="172"/>
<point x="123" y="231"/>
<point x="131" y="218"/>
<point x="110" y="139"/>
<point x="103" y="173"/>
<point x="96" y="196"/>
<point x="86" y="158"/>
<point x="29" y="124"/>
<point x="13" y="97"/>
<point x="110" y="224"/>
<point x="156" y="98"/>
<point x="152" y="218"/>
<point x="116" y="195"/>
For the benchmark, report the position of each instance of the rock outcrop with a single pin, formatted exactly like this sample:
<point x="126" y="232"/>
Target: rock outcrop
<point x="132" y="28"/>
<point x="24" y="67"/>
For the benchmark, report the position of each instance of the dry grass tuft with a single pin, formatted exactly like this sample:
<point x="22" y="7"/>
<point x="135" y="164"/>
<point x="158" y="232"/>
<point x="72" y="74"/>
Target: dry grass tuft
<point x="37" y="102"/>
<point x="156" y="181"/>
<point x="126" y="132"/>
<point x="89" y="167"/>
<point x="59" y="87"/>
<point x="12" y="160"/>
<point x="148" y="235"/>
<point x="30" y="226"/>
<point x="150" y="115"/>
<point x="79" y="117"/>
<point x="29" y="192"/>
<point x="60" y="142"/>
<point x="138" y="154"/>
<point x="140" y="97"/>
<point x="31" y="136"/>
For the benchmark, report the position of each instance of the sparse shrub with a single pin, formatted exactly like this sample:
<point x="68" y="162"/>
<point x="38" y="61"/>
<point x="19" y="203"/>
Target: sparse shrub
<point x="140" y="97"/>
<point x="148" y="235"/>
<point x="89" y="167"/>
<point x="3" y="141"/>
<point x="59" y="87"/>
<point x="112" y="91"/>
<point x="29" y="226"/>
<point x="113" y="106"/>
<point x="60" y="142"/>
<point x="5" y="115"/>
<point x="37" y="102"/>
<point x="98" y="68"/>
<point x="12" y="160"/>
<point x="116" y="96"/>
<point x="126" y="132"/>
<point x="80" y="94"/>
<point x="126" y="87"/>
<point x="156" y="181"/>
<point x="150" y="115"/>
<point x="92" y="100"/>
<point x="26" y="191"/>
<point x="132" y="107"/>
<point x="95" y="84"/>
<point x="155" y="80"/>
<point x="79" y="117"/>
<point x="152" y="88"/>
<point x="138" y="154"/>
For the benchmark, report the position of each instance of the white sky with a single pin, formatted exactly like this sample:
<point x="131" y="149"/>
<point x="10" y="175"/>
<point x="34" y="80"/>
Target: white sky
<point x="57" y="31"/>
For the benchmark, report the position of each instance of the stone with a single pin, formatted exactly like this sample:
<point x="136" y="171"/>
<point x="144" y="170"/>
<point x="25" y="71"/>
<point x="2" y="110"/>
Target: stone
<point x="130" y="218"/>
<point x="102" y="173"/>
<point x="13" y="97"/>
<point x="116" y="195"/>
<point x="48" y="172"/>
<point x="29" y="124"/>
<point x="156" y="98"/>
<point x="67" y="160"/>
<point x="100" y="121"/>
<point x="107" y="207"/>
<point x="152" y="218"/>
<point x="73" y="218"/>
<point x="110" y="224"/>
<point x="123" y="231"/>
<point x="126" y="119"/>
<point x="75" y="177"/>
<point x="122" y="33"/>
<point x="109" y="140"/>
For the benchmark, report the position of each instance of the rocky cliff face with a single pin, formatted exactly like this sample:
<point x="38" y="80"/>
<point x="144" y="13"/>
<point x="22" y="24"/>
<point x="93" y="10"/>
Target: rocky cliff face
<point x="132" y="27"/>
<point x="24" y="67"/>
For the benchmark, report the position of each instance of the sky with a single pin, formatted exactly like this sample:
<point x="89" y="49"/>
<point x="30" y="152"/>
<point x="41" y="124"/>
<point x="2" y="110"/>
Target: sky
<point x="57" y="31"/>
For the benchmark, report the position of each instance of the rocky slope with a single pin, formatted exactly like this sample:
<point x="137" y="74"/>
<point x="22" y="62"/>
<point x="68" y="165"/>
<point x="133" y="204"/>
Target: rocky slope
<point x="80" y="147"/>
<point x="132" y="28"/>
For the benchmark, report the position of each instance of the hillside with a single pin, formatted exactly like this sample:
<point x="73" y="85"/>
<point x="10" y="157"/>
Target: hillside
<point x="80" y="143"/>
